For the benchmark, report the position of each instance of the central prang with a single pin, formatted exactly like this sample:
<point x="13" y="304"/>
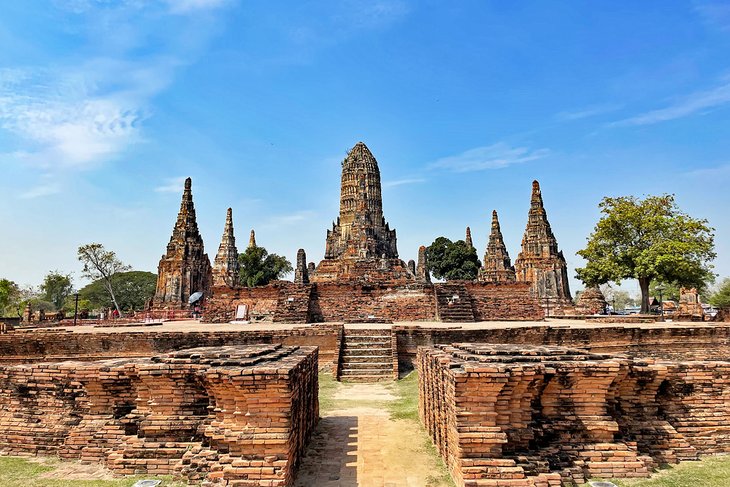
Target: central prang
<point x="361" y="244"/>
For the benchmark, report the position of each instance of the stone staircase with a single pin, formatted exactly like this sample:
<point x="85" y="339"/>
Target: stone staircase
<point x="366" y="356"/>
<point x="450" y="308"/>
<point x="293" y="305"/>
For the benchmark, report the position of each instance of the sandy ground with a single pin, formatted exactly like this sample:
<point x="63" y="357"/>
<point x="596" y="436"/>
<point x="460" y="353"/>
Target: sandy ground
<point x="359" y="445"/>
<point x="69" y="470"/>
<point x="195" y="325"/>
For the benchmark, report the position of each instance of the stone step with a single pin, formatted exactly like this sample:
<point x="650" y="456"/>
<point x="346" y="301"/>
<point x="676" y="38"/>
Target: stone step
<point x="366" y="338"/>
<point x="367" y="355"/>
<point x="367" y="378"/>
<point x="367" y="365"/>
<point x="367" y="348"/>
<point x="369" y="371"/>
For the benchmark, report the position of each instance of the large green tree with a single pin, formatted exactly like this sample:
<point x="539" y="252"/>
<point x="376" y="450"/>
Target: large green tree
<point x="102" y="264"/>
<point x="258" y="267"/>
<point x="618" y="298"/>
<point x="9" y="294"/>
<point x="647" y="240"/>
<point x="132" y="291"/>
<point x="721" y="297"/>
<point x="452" y="260"/>
<point x="56" y="287"/>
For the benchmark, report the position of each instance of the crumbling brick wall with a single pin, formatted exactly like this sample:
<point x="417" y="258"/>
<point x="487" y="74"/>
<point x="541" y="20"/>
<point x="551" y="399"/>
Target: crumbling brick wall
<point x="261" y="301"/>
<point x="548" y="415"/>
<point x="674" y="343"/>
<point x="220" y="415"/>
<point x="503" y="301"/>
<point x="38" y="345"/>
<point x="352" y="302"/>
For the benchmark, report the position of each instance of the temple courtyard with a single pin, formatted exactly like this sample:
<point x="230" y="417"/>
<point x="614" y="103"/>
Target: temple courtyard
<point x="369" y="435"/>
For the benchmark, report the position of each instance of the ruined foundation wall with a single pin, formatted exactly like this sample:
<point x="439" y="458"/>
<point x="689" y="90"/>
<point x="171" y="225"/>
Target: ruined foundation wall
<point x="38" y="346"/>
<point x="697" y="343"/>
<point x="220" y="415"/>
<point x="548" y="415"/>
<point x="261" y="302"/>
<point x="503" y="301"/>
<point x="352" y="302"/>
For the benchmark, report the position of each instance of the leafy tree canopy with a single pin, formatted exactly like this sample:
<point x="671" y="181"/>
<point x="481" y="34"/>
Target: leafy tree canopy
<point x="101" y="264"/>
<point x="258" y="267"/>
<point x="132" y="290"/>
<point x="721" y="297"/>
<point x="9" y="294"/>
<point x="452" y="260"/>
<point x="648" y="240"/>
<point x="618" y="298"/>
<point x="56" y="287"/>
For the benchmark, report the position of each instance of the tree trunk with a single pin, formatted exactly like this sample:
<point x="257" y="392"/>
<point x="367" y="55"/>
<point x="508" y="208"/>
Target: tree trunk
<point x="111" y="293"/>
<point x="644" y="285"/>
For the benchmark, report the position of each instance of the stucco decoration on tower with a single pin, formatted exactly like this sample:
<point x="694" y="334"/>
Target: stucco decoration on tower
<point x="540" y="262"/>
<point x="185" y="268"/>
<point x="361" y="245"/>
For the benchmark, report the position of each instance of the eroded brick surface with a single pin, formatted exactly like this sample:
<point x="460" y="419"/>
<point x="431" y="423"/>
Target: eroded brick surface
<point x="541" y="416"/>
<point x="220" y="415"/>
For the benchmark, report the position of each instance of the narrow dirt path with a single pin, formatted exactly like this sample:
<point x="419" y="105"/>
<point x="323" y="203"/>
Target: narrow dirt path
<point x="358" y="444"/>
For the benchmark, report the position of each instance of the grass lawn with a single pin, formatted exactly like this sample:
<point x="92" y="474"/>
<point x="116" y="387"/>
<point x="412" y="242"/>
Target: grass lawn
<point x="23" y="472"/>
<point x="710" y="472"/>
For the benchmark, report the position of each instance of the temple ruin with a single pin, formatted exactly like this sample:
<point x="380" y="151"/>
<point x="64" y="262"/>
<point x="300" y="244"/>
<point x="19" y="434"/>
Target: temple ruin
<point x="221" y="415"/>
<point x="540" y="262"/>
<point x="225" y="265"/>
<point x="530" y="405"/>
<point x="361" y="245"/>
<point x="362" y="278"/>
<point x="497" y="266"/>
<point x="553" y="416"/>
<point x="185" y="268"/>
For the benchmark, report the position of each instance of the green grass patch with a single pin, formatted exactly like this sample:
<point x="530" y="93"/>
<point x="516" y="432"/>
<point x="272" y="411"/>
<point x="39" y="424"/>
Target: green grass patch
<point x="406" y="404"/>
<point x="405" y="407"/>
<point x="328" y="387"/>
<point x="22" y="472"/>
<point x="709" y="472"/>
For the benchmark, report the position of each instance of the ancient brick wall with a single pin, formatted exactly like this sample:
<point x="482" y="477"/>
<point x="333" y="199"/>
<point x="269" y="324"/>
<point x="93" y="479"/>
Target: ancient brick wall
<point x="358" y="301"/>
<point x="503" y="301"/>
<point x="697" y="343"/>
<point x="353" y="302"/>
<point x="261" y="301"/>
<point x="220" y="415"/>
<point x="37" y="346"/>
<point x="542" y="414"/>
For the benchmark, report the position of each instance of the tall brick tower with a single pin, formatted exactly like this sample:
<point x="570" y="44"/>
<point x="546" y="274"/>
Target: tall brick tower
<point x="185" y="267"/>
<point x="497" y="264"/>
<point x="225" y="265"/>
<point x="361" y="244"/>
<point x="540" y="262"/>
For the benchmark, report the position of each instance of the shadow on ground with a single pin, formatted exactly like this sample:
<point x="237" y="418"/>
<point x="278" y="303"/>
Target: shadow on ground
<point x="331" y="458"/>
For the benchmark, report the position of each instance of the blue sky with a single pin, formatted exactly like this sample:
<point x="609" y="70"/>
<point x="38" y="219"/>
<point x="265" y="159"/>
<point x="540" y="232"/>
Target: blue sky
<point x="105" y="106"/>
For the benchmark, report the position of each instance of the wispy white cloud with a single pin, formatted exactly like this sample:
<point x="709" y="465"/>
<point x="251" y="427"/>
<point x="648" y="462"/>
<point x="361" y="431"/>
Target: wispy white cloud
<point x="172" y="6"/>
<point x="402" y="182"/>
<point x="78" y="115"/>
<point x="67" y="118"/>
<point x="172" y="185"/>
<point x="587" y="112"/>
<point x="714" y="173"/>
<point x="290" y="219"/>
<point x="698" y="102"/>
<point x="41" y="190"/>
<point x="494" y="156"/>
<point x="193" y="6"/>
<point x="716" y="14"/>
<point x="357" y="13"/>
